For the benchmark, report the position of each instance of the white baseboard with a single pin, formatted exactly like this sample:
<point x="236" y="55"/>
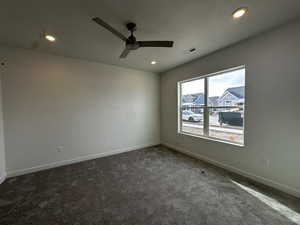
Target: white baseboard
<point x="2" y="178"/>
<point x="75" y="160"/>
<point x="282" y="187"/>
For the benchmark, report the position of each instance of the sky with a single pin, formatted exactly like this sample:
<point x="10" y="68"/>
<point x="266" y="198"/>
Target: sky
<point x="217" y="84"/>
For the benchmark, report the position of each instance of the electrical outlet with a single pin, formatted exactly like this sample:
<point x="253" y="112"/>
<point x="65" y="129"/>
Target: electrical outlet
<point x="60" y="148"/>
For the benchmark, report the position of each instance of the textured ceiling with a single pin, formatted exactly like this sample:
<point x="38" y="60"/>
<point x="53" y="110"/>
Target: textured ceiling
<point x="206" y="25"/>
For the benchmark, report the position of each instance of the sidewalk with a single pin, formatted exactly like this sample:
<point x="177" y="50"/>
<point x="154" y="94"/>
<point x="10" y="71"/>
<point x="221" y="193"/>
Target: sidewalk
<point x="216" y="128"/>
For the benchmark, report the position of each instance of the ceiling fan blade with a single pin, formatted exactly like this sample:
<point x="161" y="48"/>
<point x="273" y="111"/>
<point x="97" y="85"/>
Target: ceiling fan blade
<point x="167" y="44"/>
<point x="110" y="28"/>
<point x="125" y="53"/>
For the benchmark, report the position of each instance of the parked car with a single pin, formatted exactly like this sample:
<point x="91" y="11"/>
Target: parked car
<point x="231" y="118"/>
<point x="191" y="116"/>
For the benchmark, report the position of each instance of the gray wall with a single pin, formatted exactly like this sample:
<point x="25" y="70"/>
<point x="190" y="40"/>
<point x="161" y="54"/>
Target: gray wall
<point x="272" y="127"/>
<point x="90" y="109"/>
<point x="2" y="152"/>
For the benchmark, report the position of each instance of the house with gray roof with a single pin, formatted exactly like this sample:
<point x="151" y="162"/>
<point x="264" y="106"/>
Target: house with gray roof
<point x="213" y="101"/>
<point x="232" y="97"/>
<point x="192" y="102"/>
<point x="198" y="100"/>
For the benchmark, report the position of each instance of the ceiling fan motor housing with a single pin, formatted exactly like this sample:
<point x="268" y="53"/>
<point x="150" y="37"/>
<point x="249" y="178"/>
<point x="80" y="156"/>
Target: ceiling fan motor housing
<point x="132" y="43"/>
<point x="133" y="46"/>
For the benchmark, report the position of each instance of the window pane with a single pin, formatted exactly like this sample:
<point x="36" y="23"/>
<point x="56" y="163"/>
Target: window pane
<point x="192" y="95"/>
<point x="227" y="124"/>
<point x="192" y="99"/>
<point x="227" y="89"/>
<point x="192" y="122"/>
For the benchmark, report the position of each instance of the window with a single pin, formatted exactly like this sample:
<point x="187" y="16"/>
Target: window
<point x="212" y="106"/>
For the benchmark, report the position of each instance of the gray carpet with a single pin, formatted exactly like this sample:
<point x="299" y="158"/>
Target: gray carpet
<point x="144" y="187"/>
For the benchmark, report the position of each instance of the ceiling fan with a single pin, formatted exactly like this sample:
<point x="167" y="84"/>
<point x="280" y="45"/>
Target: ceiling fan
<point x="131" y="43"/>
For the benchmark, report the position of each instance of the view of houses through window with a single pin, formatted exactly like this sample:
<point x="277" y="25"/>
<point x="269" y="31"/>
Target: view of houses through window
<point x="213" y="106"/>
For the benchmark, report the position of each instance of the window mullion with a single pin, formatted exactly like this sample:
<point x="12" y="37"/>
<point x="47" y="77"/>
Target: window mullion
<point x="180" y="107"/>
<point x="206" y="110"/>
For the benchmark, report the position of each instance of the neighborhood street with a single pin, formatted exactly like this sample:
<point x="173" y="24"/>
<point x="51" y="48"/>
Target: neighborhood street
<point x="230" y="133"/>
<point x="224" y="128"/>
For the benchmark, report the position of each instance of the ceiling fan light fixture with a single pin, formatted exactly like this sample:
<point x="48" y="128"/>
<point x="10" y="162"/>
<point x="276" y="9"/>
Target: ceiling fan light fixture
<point x="50" y="38"/>
<point x="153" y="62"/>
<point x="240" y="12"/>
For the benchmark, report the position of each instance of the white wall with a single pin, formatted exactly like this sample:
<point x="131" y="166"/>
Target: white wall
<point x="272" y="126"/>
<point x="2" y="150"/>
<point x="90" y="109"/>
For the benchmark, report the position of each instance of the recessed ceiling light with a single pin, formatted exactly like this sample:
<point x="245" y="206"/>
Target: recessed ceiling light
<point x="238" y="13"/>
<point x="153" y="62"/>
<point x="50" y="38"/>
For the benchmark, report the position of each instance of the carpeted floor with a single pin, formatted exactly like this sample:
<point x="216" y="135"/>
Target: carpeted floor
<point x="144" y="187"/>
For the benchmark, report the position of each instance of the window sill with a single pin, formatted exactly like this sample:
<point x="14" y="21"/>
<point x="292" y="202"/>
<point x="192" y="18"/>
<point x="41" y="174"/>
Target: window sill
<point x="212" y="139"/>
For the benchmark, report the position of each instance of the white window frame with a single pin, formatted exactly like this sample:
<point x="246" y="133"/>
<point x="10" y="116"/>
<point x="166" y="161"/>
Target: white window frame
<point x="206" y="108"/>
